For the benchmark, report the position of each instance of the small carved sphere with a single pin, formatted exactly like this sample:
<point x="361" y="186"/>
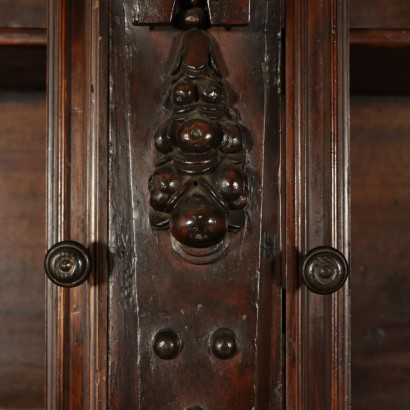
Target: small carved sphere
<point x="231" y="184"/>
<point x="167" y="344"/>
<point x="224" y="344"/>
<point x="66" y="265"/>
<point x="162" y="185"/>
<point x="232" y="140"/>
<point x="184" y="93"/>
<point x="198" y="136"/>
<point x="162" y="138"/>
<point x="210" y="91"/>
<point x="198" y="222"/>
<point x="195" y="17"/>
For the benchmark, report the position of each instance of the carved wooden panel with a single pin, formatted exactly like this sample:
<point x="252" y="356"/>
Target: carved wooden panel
<point x="180" y="330"/>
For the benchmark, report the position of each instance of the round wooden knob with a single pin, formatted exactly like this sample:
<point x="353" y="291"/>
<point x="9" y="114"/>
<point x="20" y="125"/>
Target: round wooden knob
<point x="324" y="270"/>
<point x="67" y="264"/>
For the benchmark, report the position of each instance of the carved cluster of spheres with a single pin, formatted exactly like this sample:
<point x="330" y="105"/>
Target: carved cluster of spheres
<point x="198" y="189"/>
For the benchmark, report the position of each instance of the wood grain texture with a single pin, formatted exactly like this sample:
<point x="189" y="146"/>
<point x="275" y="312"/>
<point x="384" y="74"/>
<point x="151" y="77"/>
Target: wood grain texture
<point x="380" y="253"/>
<point x="22" y="213"/>
<point x="150" y="287"/>
<point x="379" y="14"/>
<point x="317" y="201"/>
<point x="77" y="189"/>
<point x="23" y="13"/>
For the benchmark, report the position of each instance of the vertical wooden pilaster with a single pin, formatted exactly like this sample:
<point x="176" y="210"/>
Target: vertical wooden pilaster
<point x="317" y="200"/>
<point x="76" y="200"/>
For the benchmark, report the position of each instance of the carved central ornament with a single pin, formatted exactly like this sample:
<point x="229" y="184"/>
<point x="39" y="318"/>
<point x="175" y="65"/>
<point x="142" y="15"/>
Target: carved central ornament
<point x="198" y="190"/>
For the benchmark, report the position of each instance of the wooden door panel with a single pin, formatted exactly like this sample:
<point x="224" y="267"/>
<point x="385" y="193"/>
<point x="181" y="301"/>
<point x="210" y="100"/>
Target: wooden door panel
<point x="151" y="287"/>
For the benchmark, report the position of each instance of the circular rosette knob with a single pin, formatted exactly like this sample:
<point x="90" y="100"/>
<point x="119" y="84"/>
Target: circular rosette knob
<point x="324" y="270"/>
<point x="67" y="264"/>
<point x="198" y="222"/>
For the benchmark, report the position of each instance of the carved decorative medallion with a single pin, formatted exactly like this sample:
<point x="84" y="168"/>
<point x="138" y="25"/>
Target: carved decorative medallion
<point x="198" y="189"/>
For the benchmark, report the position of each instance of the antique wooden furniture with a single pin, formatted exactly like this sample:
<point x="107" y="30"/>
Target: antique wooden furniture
<point x="198" y="217"/>
<point x="212" y="298"/>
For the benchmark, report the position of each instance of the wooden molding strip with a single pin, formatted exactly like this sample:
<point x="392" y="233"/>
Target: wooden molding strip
<point x="23" y="36"/>
<point x="379" y="38"/>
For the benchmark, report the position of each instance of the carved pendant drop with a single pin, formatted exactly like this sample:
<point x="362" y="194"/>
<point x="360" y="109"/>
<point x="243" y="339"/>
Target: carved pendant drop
<point x="198" y="190"/>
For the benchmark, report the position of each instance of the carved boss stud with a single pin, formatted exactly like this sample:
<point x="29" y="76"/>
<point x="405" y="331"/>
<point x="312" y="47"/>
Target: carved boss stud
<point x="198" y="190"/>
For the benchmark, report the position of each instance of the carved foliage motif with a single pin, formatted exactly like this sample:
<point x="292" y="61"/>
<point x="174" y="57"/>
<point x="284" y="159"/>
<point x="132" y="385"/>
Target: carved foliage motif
<point x="198" y="190"/>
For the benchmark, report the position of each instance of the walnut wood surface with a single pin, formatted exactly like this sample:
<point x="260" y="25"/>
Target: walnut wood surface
<point x="150" y="287"/>
<point x="316" y="200"/>
<point x="380" y="252"/>
<point x="379" y="14"/>
<point x="23" y="13"/>
<point x="22" y="185"/>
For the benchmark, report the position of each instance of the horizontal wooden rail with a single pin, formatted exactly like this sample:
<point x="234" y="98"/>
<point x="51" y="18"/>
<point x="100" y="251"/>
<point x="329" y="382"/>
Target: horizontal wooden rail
<point x="23" y="36"/>
<point x="380" y="37"/>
